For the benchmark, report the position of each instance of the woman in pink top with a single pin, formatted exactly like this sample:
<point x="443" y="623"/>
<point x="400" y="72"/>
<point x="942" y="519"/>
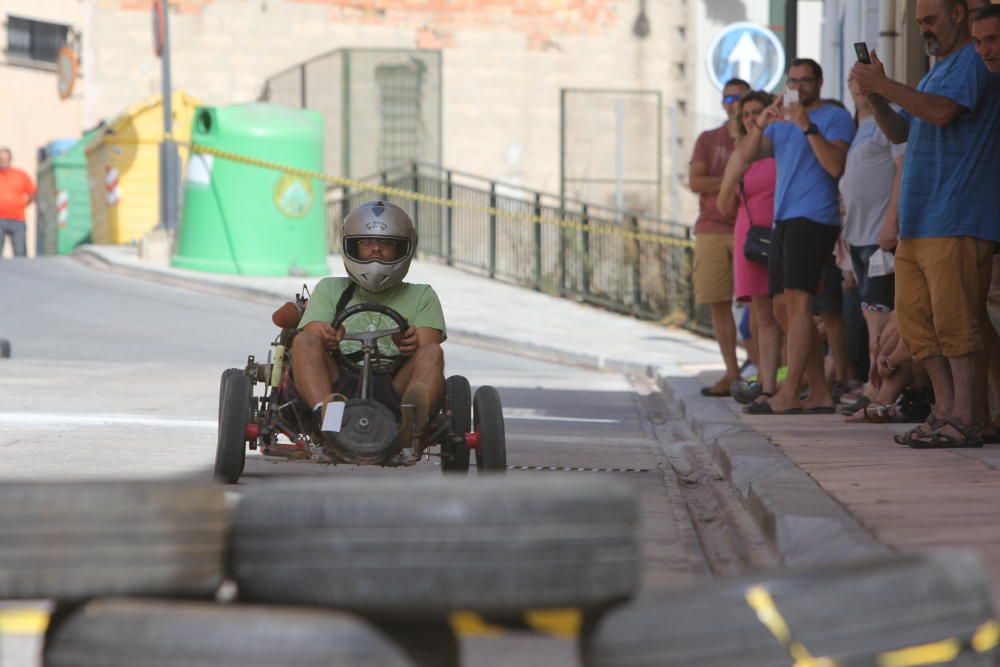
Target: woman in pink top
<point x="748" y="192"/>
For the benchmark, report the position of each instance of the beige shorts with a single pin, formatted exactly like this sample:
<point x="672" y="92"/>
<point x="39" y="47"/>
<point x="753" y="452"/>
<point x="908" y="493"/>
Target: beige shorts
<point x="713" y="268"/>
<point x="938" y="294"/>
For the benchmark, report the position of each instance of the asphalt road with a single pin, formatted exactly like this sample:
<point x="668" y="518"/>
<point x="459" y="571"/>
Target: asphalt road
<point x="118" y="377"/>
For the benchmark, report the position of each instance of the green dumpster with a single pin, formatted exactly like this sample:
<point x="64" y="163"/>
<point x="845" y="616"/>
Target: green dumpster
<point x="247" y="219"/>
<point x="63" y="199"/>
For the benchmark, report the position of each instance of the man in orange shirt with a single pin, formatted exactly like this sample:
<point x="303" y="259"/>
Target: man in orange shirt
<point x="16" y="192"/>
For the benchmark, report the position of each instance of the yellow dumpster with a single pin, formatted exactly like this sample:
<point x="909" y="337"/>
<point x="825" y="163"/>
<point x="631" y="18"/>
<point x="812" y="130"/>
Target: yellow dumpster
<point x="123" y="168"/>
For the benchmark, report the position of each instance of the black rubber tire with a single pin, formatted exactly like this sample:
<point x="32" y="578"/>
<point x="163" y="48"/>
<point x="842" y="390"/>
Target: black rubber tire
<point x="849" y="611"/>
<point x="487" y="419"/>
<point x="414" y="549"/>
<point x="458" y="400"/>
<point x="157" y="633"/>
<point x="235" y="392"/>
<point x="4" y="348"/>
<point x="76" y="540"/>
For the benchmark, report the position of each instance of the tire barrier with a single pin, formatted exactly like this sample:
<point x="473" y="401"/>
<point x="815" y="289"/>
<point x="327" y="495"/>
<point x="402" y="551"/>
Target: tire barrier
<point x="891" y="612"/>
<point x="77" y="540"/>
<point x="413" y="549"/>
<point x="158" y="633"/>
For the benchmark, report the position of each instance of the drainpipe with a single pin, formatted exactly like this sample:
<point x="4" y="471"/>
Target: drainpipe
<point x="887" y="36"/>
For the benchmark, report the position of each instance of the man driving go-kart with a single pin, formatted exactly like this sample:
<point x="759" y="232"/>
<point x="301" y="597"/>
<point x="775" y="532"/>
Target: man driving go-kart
<point x="378" y="243"/>
<point x="356" y="374"/>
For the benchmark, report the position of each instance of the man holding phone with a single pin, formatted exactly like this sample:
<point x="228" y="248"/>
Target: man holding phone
<point x="810" y="150"/>
<point x="947" y="211"/>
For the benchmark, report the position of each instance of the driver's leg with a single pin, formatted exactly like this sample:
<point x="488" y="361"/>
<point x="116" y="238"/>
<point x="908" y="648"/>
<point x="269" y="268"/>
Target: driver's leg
<point x="313" y="368"/>
<point x="420" y="382"/>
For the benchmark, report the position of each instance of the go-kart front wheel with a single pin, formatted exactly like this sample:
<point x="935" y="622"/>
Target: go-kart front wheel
<point x="234" y="412"/>
<point x="487" y="417"/>
<point x="458" y="402"/>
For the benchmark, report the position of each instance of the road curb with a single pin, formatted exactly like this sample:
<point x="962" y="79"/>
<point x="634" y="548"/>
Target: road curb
<point x="805" y="524"/>
<point x="803" y="521"/>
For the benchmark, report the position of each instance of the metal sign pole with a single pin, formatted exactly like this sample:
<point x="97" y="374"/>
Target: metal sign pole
<point x="169" y="159"/>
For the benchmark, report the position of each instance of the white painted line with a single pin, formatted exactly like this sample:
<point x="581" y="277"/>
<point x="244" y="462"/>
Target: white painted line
<point x="530" y="414"/>
<point x="55" y="419"/>
<point x="87" y="419"/>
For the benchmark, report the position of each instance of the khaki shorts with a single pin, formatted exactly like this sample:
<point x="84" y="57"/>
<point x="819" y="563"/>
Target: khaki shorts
<point x="938" y="295"/>
<point x="713" y="268"/>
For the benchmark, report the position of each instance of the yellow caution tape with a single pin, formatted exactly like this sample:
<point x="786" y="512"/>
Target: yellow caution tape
<point x="985" y="639"/>
<point x="23" y="621"/>
<point x="601" y="229"/>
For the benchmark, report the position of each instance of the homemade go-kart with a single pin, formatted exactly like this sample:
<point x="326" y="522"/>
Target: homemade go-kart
<point x="277" y="423"/>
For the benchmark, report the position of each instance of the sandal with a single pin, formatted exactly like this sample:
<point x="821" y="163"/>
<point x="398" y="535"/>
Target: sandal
<point x="969" y="436"/>
<point x="856" y="406"/>
<point x="918" y="432"/>
<point x="873" y="413"/>
<point x="718" y="390"/>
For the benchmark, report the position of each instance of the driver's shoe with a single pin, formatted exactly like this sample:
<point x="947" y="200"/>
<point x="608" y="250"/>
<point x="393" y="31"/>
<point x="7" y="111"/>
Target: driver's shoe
<point x="414" y="407"/>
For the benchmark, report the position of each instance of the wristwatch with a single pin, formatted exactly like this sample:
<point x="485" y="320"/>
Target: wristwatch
<point x="812" y="129"/>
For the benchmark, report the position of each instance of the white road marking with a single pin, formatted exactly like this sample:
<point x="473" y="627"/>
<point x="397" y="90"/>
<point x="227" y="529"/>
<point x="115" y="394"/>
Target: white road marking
<point x="54" y="419"/>
<point x="530" y="414"/>
<point x="57" y="419"/>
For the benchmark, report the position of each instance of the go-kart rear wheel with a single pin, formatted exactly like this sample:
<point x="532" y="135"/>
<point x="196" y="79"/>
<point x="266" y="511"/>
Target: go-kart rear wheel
<point x="491" y="452"/>
<point x="458" y="401"/>
<point x="234" y="413"/>
<point x="4" y="348"/>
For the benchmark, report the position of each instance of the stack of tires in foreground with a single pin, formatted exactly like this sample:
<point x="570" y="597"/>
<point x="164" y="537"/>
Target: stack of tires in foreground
<point x="349" y="572"/>
<point x="368" y="572"/>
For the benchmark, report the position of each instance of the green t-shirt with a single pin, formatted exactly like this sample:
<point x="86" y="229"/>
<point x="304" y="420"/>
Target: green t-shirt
<point x="419" y="304"/>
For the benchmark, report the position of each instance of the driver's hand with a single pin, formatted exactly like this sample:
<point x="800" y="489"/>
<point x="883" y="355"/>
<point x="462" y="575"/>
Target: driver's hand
<point x="406" y="341"/>
<point x="327" y="335"/>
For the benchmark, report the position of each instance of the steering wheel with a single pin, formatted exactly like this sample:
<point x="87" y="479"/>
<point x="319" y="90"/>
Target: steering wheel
<point x="380" y="363"/>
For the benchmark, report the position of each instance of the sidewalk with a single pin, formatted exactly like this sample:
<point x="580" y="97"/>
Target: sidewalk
<point x="823" y="490"/>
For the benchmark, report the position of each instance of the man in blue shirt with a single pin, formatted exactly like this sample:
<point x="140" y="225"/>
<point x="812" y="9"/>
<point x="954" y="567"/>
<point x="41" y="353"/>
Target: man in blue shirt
<point x="810" y="150"/>
<point x="948" y="221"/>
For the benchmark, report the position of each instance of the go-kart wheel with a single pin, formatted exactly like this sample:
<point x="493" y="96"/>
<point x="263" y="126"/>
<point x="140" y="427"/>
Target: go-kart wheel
<point x="234" y="413"/>
<point x="4" y="348"/>
<point x="491" y="452"/>
<point x="458" y="401"/>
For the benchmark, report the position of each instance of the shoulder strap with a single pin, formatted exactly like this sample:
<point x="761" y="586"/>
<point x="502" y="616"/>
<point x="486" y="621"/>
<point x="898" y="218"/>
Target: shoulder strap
<point x="743" y="198"/>
<point x="345" y="298"/>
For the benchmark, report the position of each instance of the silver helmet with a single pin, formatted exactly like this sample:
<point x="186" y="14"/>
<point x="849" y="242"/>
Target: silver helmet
<point x="378" y="220"/>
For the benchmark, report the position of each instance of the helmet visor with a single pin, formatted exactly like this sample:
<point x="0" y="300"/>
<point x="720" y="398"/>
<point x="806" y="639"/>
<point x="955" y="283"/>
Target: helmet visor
<point x="381" y="249"/>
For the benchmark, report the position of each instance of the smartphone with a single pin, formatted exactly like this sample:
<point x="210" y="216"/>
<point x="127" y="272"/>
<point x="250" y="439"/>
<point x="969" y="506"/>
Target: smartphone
<point x="791" y="96"/>
<point x="861" y="49"/>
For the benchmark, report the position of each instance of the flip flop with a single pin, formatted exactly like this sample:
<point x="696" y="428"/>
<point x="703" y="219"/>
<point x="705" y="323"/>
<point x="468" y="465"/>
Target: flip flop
<point x="820" y="410"/>
<point x="764" y="408"/>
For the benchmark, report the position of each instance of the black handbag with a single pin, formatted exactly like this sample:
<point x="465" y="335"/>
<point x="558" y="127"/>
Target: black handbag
<point x="757" y="246"/>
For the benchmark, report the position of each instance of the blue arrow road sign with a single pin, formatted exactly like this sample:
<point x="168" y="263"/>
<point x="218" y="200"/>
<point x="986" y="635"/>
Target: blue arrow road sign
<point x="746" y="51"/>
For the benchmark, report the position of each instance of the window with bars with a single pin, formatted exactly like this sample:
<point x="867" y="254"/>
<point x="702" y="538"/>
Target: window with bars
<point x="399" y="92"/>
<point x="39" y="41"/>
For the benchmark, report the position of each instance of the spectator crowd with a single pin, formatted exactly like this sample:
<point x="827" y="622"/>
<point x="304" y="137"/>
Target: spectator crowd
<point x="866" y="249"/>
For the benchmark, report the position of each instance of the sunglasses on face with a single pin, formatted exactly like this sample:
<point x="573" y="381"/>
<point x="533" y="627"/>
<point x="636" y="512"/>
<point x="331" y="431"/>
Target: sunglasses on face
<point x="729" y="99"/>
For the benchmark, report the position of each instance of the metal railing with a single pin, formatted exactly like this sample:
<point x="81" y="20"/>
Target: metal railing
<point x="537" y="240"/>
